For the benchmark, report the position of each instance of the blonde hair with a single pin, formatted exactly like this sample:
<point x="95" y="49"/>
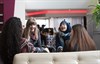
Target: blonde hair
<point x="27" y="31"/>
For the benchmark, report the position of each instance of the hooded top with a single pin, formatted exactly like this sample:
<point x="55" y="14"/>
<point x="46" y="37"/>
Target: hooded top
<point x="62" y="36"/>
<point x="65" y="34"/>
<point x="68" y="26"/>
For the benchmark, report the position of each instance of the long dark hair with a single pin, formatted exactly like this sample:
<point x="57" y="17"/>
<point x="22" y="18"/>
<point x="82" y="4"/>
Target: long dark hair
<point x="10" y="39"/>
<point x="80" y="39"/>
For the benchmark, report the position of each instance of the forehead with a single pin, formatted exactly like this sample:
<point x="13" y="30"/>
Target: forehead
<point x="33" y="25"/>
<point x="63" y="24"/>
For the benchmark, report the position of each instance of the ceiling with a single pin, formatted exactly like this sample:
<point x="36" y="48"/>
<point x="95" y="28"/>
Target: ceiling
<point x="38" y="5"/>
<point x="58" y="4"/>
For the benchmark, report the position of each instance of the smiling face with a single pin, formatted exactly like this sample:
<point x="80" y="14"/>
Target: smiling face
<point x="63" y="27"/>
<point x="33" y="27"/>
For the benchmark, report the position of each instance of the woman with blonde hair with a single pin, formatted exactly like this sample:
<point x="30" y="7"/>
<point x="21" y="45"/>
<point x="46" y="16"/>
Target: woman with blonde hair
<point x="31" y="33"/>
<point x="80" y="39"/>
<point x="30" y="26"/>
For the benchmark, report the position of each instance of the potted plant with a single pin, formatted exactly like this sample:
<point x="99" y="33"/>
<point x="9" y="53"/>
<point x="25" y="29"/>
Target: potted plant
<point x="96" y="14"/>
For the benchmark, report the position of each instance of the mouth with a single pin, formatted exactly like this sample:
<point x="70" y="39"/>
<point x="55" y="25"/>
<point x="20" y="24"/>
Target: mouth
<point x="63" y="29"/>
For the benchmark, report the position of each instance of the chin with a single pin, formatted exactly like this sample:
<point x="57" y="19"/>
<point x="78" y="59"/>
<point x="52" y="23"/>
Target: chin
<point x="63" y="30"/>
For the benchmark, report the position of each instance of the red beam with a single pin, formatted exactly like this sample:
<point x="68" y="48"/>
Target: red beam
<point x="56" y="12"/>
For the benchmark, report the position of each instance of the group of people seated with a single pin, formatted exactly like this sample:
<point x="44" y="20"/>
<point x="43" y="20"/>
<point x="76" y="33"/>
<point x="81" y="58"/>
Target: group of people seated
<point x="15" y="40"/>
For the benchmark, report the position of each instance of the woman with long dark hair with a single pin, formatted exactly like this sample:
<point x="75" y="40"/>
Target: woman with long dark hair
<point x="11" y="40"/>
<point x="80" y="39"/>
<point x="10" y="37"/>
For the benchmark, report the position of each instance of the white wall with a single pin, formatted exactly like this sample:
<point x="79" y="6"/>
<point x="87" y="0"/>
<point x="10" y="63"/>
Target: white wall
<point x="51" y="22"/>
<point x="43" y="22"/>
<point x="57" y="4"/>
<point x="19" y="10"/>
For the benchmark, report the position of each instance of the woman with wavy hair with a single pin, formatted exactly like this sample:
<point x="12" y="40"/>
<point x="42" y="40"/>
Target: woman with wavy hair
<point x="80" y="39"/>
<point x="11" y="40"/>
<point x="10" y="37"/>
<point x="32" y="34"/>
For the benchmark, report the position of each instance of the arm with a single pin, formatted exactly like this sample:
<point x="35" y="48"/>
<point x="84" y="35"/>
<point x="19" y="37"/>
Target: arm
<point x="59" y="41"/>
<point x="26" y="46"/>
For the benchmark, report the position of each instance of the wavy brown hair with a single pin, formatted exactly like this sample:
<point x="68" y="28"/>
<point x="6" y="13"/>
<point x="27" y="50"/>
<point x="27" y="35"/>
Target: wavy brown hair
<point x="10" y="39"/>
<point x="80" y="39"/>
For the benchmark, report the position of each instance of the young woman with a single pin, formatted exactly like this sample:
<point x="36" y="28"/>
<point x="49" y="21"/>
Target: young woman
<point x="32" y="34"/>
<point x="80" y="39"/>
<point x="11" y="40"/>
<point x="63" y="36"/>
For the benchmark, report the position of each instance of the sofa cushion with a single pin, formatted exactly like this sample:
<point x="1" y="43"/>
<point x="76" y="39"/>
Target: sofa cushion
<point x="84" y="57"/>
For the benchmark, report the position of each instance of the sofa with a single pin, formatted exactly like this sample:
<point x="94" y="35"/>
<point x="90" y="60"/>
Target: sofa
<point x="83" y="57"/>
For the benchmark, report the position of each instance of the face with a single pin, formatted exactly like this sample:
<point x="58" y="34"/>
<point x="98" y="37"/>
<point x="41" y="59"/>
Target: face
<point x="63" y="27"/>
<point x="33" y="27"/>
